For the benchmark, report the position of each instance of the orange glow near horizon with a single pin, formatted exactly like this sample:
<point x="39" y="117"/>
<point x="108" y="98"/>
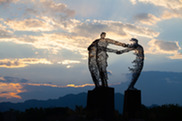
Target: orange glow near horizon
<point x="59" y="86"/>
<point x="10" y="95"/>
<point x="76" y="86"/>
<point x="11" y="90"/>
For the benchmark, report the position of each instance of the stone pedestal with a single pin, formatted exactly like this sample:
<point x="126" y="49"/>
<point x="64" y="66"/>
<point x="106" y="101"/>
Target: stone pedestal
<point x="100" y="103"/>
<point x="132" y="104"/>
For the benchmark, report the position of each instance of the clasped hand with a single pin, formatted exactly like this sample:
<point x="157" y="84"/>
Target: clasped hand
<point x="119" y="52"/>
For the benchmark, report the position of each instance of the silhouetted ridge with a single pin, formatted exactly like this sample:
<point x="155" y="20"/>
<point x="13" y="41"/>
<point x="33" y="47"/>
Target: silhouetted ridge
<point x="70" y="100"/>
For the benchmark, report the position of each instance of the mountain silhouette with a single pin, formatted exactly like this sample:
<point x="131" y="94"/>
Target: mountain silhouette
<point x="157" y="88"/>
<point x="70" y="101"/>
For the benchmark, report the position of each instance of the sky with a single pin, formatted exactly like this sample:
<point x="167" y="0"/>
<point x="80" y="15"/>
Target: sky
<point x="44" y="42"/>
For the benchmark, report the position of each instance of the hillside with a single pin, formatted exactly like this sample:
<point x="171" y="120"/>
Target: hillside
<point x="70" y="101"/>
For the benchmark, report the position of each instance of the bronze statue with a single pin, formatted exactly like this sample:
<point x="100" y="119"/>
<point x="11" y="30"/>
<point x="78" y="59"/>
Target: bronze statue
<point x="98" y="58"/>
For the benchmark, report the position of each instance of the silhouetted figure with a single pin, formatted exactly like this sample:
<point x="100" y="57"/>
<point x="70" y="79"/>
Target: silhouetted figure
<point x="138" y="62"/>
<point x="98" y="58"/>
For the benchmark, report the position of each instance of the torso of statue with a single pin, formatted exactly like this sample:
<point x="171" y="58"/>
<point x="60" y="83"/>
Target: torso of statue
<point x="102" y="44"/>
<point x="139" y="52"/>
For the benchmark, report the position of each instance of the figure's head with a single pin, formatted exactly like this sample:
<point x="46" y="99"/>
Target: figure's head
<point x="134" y="40"/>
<point x="102" y="35"/>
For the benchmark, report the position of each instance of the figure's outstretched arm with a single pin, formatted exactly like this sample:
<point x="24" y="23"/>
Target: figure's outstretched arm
<point x="108" y="49"/>
<point x="110" y="41"/>
<point x="111" y="50"/>
<point x="124" y="51"/>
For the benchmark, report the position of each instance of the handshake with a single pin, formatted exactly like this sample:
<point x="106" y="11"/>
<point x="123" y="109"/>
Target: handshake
<point x="119" y="52"/>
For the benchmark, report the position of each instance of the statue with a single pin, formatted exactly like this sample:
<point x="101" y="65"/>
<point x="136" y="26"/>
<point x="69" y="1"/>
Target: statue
<point x="98" y="59"/>
<point x="97" y="63"/>
<point x="138" y="62"/>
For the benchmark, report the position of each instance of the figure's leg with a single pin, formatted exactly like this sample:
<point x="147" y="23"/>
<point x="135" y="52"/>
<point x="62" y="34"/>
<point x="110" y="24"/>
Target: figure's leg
<point x="131" y="86"/>
<point x="102" y="65"/>
<point x="94" y="71"/>
<point x="136" y="73"/>
<point x="103" y="74"/>
<point x="94" y="78"/>
<point x="134" y="80"/>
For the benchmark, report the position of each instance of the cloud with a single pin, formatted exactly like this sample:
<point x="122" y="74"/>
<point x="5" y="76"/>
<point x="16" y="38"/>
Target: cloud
<point x="11" y="90"/>
<point x="30" y="25"/>
<point x="19" y="63"/>
<point x="24" y="62"/>
<point x="77" y="86"/>
<point x="149" y="19"/>
<point x="59" y="86"/>
<point x="65" y="62"/>
<point x="2" y="79"/>
<point x="175" y="4"/>
<point x="69" y="63"/>
<point x="13" y="87"/>
<point x="7" y="1"/>
<point x="79" y="35"/>
<point x="171" y="9"/>
<point x="165" y="47"/>
<point x="92" y="28"/>
<point x="133" y="2"/>
<point x="141" y="31"/>
<point x="51" y="8"/>
<point x="12" y="80"/>
<point x="49" y="11"/>
<point x="39" y="15"/>
<point x="176" y="56"/>
<point x="10" y="87"/>
<point x="146" y="18"/>
<point x="58" y="41"/>
<point x="170" y="14"/>
<point x="4" y="33"/>
<point x="48" y="25"/>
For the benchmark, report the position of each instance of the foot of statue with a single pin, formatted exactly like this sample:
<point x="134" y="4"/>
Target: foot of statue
<point x="132" y="88"/>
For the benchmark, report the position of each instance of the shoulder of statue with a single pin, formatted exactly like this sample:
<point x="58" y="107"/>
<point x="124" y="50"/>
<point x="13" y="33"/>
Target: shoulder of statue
<point x="97" y="40"/>
<point x="108" y="39"/>
<point x="140" y="46"/>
